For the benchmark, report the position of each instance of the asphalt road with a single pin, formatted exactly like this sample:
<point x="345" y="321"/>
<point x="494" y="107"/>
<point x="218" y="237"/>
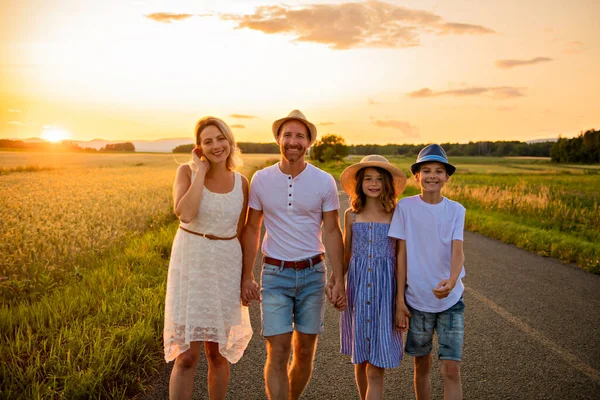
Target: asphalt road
<point x="532" y="331"/>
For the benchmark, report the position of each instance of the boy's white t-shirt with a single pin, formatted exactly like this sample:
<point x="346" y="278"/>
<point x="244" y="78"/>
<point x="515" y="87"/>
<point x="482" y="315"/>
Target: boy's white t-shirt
<point x="293" y="210"/>
<point x="429" y="230"/>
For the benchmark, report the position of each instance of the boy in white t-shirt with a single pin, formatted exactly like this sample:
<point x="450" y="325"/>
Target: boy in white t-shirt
<point x="429" y="229"/>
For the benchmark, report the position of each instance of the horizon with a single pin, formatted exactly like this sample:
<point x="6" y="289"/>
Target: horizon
<point x="411" y="71"/>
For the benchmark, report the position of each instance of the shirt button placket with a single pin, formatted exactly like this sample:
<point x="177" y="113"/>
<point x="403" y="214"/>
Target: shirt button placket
<point x="290" y="197"/>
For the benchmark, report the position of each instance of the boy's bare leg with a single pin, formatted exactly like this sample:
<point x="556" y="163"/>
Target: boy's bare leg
<point x="375" y="385"/>
<point x="450" y="371"/>
<point x="218" y="371"/>
<point x="422" y="382"/>
<point x="181" y="383"/>
<point x="302" y="363"/>
<point x="278" y="355"/>
<point x="360" y="374"/>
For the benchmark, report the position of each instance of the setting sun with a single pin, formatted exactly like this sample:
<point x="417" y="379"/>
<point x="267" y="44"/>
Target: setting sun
<point x="54" y="135"/>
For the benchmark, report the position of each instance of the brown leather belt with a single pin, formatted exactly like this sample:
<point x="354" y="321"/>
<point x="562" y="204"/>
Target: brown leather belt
<point x="300" y="264"/>
<point x="206" y="235"/>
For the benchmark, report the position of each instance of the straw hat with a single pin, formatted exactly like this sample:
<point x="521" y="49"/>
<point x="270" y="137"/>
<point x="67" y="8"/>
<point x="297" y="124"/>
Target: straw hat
<point x="432" y="153"/>
<point x="348" y="177"/>
<point x="297" y="115"/>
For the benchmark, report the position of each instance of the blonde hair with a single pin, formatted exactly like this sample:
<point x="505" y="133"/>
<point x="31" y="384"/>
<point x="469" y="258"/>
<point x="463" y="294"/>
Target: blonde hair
<point x="387" y="196"/>
<point x="234" y="160"/>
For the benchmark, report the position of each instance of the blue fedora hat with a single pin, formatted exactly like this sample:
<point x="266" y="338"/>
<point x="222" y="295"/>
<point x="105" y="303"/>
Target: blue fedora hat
<point x="432" y="153"/>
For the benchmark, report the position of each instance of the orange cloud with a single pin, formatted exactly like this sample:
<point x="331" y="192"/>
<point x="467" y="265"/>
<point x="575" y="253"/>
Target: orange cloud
<point x="373" y="24"/>
<point x="409" y="130"/>
<point x="502" y="92"/>
<point x="373" y="102"/>
<point x="326" y="123"/>
<point x="455" y="28"/>
<point x="239" y="126"/>
<point x="242" y="116"/>
<point x="517" y="63"/>
<point x="575" y="47"/>
<point x="167" y="18"/>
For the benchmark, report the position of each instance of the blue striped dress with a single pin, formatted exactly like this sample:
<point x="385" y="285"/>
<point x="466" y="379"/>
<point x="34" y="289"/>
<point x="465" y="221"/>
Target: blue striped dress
<point x="367" y="325"/>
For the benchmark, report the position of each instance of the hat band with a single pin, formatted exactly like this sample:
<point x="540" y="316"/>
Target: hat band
<point x="433" y="158"/>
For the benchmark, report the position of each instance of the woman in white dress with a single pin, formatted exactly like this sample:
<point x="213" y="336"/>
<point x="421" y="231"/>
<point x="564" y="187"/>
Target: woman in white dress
<point x="203" y="286"/>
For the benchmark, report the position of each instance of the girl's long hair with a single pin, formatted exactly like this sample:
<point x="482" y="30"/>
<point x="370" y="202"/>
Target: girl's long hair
<point x="234" y="160"/>
<point x="387" y="196"/>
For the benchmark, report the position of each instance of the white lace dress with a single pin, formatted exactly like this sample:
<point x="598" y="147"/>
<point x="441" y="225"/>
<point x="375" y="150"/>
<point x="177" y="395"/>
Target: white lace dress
<point x="203" y="285"/>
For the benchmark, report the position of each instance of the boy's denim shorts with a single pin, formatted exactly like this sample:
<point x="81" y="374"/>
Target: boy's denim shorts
<point x="292" y="299"/>
<point x="449" y="326"/>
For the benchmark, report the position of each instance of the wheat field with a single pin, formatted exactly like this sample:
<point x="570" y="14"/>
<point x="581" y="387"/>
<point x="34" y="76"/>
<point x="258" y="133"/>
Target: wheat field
<point x="58" y="211"/>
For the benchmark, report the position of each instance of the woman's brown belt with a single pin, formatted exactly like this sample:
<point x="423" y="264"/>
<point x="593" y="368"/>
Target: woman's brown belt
<point x="206" y="235"/>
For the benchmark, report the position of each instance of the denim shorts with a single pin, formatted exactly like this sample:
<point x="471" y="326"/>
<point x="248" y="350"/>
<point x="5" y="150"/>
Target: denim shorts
<point x="292" y="299"/>
<point x="449" y="326"/>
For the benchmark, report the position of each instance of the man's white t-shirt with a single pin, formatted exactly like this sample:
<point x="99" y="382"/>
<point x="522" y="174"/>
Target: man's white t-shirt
<point x="293" y="210"/>
<point x="429" y="230"/>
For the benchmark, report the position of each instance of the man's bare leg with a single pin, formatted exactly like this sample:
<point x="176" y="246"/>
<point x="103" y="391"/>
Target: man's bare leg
<point x="302" y="363"/>
<point x="276" y="368"/>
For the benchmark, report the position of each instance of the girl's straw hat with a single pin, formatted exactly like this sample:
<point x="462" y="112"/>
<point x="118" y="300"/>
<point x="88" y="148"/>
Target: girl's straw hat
<point x="348" y="177"/>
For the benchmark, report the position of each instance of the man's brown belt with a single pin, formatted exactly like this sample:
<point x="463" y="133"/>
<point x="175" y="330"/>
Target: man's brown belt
<point x="206" y="235"/>
<point x="300" y="264"/>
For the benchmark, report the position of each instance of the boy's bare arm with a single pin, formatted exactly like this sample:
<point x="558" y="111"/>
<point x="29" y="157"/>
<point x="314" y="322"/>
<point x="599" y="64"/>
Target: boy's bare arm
<point x="402" y="313"/>
<point x="444" y="288"/>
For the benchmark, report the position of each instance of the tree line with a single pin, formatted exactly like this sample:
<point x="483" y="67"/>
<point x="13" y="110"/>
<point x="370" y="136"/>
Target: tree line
<point x="332" y="147"/>
<point x="63" y="146"/>
<point x="584" y="148"/>
<point x="245" y="147"/>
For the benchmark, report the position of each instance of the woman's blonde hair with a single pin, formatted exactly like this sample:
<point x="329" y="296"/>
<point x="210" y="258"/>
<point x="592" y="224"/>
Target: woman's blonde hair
<point x="234" y="160"/>
<point x="387" y="196"/>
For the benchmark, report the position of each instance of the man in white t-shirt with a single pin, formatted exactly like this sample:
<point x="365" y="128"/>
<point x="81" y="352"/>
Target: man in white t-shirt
<point x="295" y="198"/>
<point x="429" y="229"/>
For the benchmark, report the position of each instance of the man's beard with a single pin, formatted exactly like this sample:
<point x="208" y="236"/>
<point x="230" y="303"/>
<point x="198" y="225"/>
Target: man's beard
<point x="296" y="155"/>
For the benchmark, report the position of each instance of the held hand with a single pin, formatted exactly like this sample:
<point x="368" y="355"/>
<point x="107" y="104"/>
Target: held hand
<point x="249" y="291"/>
<point x="402" y="317"/>
<point x="443" y="289"/>
<point x="329" y="288"/>
<point x="201" y="162"/>
<point x="338" y="296"/>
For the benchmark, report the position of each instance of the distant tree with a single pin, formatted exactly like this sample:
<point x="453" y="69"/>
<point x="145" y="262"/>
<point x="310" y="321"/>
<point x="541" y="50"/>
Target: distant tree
<point x="584" y="148"/>
<point x="40" y="146"/>
<point x="265" y="148"/>
<point x="184" y="148"/>
<point x="330" y="147"/>
<point x="126" y="146"/>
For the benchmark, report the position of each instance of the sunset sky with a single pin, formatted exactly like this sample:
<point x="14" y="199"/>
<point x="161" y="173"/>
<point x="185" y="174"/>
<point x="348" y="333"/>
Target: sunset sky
<point x="373" y="72"/>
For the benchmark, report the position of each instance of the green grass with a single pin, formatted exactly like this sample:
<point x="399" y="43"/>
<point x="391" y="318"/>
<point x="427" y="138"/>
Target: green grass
<point x="546" y="208"/>
<point x="99" y="336"/>
<point x="90" y="327"/>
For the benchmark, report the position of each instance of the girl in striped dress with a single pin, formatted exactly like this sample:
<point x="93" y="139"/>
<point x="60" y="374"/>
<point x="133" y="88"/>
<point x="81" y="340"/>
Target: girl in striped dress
<point x="368" y="331"/>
